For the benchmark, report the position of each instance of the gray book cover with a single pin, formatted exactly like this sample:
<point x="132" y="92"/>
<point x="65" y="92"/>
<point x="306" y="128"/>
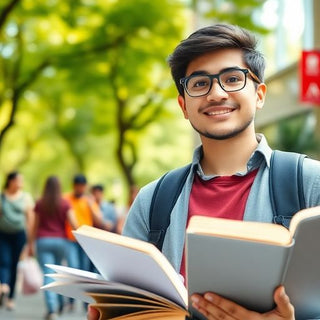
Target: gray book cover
<point x="247" y="272"/>
<point x="242" y="271"/>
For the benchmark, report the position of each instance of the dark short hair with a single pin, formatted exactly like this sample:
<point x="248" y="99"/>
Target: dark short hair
<point x="79" y="179"/>
<point x="98" y="187"/>
<point x="213" y="38"/>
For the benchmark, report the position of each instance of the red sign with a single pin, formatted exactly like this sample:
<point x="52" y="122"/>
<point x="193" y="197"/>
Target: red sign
<point x="310" y="77"/>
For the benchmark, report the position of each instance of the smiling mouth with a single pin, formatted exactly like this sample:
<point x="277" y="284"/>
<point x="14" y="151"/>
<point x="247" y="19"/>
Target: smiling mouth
<point x="218" y="112"/>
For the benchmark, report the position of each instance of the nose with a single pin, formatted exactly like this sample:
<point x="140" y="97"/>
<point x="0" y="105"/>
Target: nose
<point x="216" y="93"/>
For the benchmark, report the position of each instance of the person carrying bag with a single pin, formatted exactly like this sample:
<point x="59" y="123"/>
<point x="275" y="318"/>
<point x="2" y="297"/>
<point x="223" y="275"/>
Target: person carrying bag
<point x="16" y="210"/>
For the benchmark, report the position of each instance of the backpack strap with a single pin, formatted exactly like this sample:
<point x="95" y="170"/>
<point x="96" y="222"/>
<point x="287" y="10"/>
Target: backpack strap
<point x="286" y="185"/>
<point x="163" y="200"/>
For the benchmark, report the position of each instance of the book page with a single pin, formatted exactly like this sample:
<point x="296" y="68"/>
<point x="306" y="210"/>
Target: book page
<point x="132" y="262"/>
<point x="128" y="313"/>
<point x="76" y="272"/>
<point x="60" y="277"/>
<point x="245" y="230"/>
<point x="110" y="298"/>
<point x="81" y="290"/>
<point x="76" y="290"/>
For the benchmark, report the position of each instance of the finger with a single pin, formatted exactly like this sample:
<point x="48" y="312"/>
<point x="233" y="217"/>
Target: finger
<point x="284" y="307"/>
<point x="199" y="303"/>
<point x="218" y="307"/>
<point x="93" y="314"/>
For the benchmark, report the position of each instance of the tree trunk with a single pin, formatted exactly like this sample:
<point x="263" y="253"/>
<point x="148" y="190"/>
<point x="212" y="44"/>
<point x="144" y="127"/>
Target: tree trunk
<point x="125" y="165"/>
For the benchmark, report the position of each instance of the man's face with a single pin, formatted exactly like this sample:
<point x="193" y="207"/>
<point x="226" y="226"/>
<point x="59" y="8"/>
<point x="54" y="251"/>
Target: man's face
<point x="97" y="194"/>
<point x="219" y="114"/>
<point x="79" y="189"/>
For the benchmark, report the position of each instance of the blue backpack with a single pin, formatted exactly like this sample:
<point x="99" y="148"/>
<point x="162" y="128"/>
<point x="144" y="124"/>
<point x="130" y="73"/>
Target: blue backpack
<point x="285" y="185"/>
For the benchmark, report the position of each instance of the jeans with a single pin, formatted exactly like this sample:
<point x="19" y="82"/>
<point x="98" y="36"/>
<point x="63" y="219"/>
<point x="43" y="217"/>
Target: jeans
<point x="77" y="258"/>
<point x="51" y="250"/>
<point x="11" y="245"/>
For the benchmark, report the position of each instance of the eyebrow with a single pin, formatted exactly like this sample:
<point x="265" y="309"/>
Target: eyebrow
<point x="203" y="72"/>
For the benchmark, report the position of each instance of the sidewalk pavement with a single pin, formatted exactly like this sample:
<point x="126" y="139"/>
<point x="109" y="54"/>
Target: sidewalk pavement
<point x="31" y="307"/>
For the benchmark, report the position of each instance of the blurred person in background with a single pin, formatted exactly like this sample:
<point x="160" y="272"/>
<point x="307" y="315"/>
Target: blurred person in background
<point x="87" y="212"/>
<point x="108" y="210"/>
<point x="134" y="190"/>
<point x="49" y="235"/>
<point x="16" y="219"/>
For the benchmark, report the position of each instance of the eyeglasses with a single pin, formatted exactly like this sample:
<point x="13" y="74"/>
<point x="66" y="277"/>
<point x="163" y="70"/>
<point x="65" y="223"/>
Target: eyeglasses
<point x="230" y="80"/>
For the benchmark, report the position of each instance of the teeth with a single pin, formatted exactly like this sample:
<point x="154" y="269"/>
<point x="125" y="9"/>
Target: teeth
<point x="219" y="112"/>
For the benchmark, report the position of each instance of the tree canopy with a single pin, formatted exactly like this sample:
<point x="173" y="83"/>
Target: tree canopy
<point x="84" y="87"/>
<point x="81" y="82"/>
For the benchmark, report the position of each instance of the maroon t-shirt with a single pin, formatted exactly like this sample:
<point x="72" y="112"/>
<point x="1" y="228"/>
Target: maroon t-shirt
<point x="52" y="226"/>
<point x="220" y="197"/>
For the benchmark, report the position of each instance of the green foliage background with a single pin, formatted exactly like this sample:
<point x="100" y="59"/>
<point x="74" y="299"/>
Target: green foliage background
<point x="84" y="87"/>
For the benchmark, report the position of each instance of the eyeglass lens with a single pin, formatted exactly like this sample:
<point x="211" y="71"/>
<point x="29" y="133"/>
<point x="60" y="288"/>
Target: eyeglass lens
<point x="230" y="80"/>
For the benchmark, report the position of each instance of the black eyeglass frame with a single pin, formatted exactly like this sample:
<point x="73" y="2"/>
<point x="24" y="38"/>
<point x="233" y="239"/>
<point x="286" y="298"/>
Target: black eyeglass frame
<point x="184" y="81"/>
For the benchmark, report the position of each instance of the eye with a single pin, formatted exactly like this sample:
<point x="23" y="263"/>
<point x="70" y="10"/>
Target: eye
<point x="232" y="78"/>
<point x="198" y="82"/>
<point x="201" y="83"/>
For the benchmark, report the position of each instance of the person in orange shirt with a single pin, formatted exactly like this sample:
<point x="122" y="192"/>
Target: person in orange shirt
<point x="86" y="212"/>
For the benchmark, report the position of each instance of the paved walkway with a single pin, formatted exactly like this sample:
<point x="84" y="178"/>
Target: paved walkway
<point x="32" y="308"/>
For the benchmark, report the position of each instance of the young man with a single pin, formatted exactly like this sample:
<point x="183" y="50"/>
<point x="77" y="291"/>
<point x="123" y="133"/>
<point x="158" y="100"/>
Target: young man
<point x="86" y="212"/>
<point x="219" y="75"/>
<point x="108" y="210"/>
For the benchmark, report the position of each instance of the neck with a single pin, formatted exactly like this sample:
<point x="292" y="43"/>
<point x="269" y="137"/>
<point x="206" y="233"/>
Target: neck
<point x="226" y="157"/>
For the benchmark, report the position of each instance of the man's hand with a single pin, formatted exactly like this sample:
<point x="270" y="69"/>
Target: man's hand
<point x="215" y="307"/>
<point x="93" y="314"/>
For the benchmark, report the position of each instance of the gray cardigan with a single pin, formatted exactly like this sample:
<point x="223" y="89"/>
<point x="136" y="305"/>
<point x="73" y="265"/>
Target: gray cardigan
<point x="258" y="207"/>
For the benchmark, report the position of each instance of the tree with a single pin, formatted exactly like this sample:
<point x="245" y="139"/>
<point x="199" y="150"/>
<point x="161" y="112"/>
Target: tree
<point x="237" y="12"/>
<point x="71" y="56"/>
<point x="296" y="134"/>
<point x="85" y="83"/>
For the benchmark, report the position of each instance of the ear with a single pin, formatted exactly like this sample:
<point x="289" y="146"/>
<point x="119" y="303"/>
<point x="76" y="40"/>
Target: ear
<point x="261" y="95"/>
<point x="182" y="104"/>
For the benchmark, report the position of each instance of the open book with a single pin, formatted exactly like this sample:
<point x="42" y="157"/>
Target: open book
<point x="246" y="261"/>
<point x="243" y="261"/>
<point x="136" y="281"/>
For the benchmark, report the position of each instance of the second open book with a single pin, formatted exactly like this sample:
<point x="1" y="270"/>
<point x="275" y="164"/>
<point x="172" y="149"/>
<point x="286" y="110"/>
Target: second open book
<point x="243" y="261"/>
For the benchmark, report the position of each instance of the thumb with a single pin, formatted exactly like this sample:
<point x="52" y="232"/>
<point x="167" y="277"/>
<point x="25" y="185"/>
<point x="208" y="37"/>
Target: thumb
<point x="284" y="307"/>
<point x="93" y="313"/>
